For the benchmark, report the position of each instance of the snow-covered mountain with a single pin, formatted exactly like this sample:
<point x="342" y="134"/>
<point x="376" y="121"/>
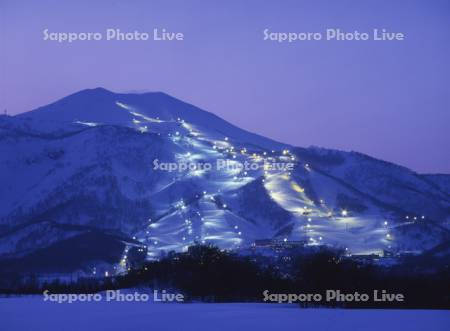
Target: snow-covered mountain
<point x="79" y="187"/>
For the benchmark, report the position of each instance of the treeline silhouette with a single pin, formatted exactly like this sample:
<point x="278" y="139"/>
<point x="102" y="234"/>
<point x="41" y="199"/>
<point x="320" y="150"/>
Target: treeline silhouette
<point x="209" y="274"/>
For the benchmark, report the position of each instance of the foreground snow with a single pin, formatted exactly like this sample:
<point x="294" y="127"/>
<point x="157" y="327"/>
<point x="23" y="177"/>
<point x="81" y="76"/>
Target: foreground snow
<point x="32" y="313"/>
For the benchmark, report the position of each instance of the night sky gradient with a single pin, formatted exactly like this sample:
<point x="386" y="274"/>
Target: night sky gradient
<point x="390" y="100"/>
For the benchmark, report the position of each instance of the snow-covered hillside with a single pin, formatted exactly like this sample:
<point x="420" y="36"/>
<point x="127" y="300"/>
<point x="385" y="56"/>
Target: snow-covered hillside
<point x="81" y="172"/>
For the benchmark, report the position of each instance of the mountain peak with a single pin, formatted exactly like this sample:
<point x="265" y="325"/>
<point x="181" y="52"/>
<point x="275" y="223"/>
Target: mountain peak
<point x="93" y="91"/>
<point x="99" y="105"/>
<point x="99" y="89"/>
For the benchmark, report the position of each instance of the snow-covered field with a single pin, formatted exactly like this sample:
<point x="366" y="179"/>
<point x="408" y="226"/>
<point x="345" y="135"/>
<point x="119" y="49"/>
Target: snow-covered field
<point x="32" y="313"/>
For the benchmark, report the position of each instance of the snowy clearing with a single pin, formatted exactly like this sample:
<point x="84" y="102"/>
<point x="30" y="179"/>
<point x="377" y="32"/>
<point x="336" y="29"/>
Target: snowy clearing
<point x="31" y="313"/>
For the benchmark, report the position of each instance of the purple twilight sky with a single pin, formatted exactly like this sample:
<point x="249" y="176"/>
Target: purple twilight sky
<point x="386" y="99"/>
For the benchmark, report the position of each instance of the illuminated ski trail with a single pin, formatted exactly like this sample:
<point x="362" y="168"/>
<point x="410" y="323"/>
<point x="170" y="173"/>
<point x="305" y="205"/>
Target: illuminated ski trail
<point x="314" y="222"/>
<point x="288" y="194"/>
